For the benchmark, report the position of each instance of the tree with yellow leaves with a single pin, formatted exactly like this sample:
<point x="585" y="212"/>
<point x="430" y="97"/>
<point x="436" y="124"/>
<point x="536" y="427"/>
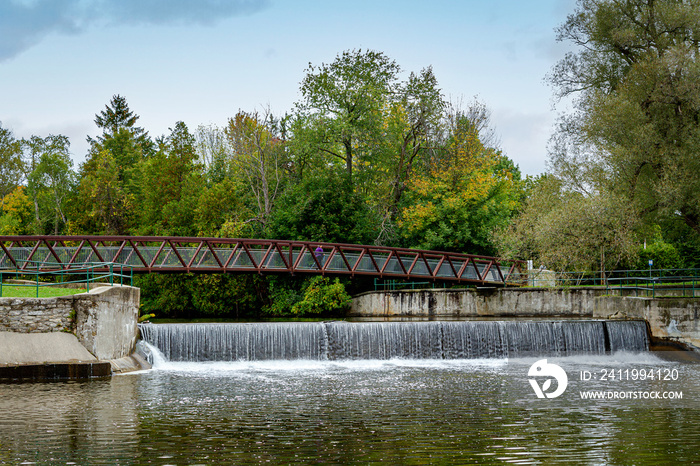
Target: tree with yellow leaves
<point x="463" y="192"/>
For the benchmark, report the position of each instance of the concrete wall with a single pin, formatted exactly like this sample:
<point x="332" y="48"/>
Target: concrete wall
<point x="669" y="318"/>
<point x="104" y="320"/>
<point x="477" y="303"/>
<point x="675" y="319"/>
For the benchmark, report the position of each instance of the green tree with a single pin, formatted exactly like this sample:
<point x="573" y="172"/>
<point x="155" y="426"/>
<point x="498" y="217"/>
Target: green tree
<point x="325" y="209"/>
<point x="322" y="296"/>
<point x="116" y="118"/>
<point x="102" y="205"/>
<point x="172" y="185"/>
<point x="343" y="102"/>
<point x="16" y="215"/>
<point x="11" y="167"/>
<point x="411" y="123"/>
<point x="257" y="160"/>
<point x="115" y="162"/>
<point x="463" y="193"/>
<point x="634" y="77"/>
<point x="50" y="179"/>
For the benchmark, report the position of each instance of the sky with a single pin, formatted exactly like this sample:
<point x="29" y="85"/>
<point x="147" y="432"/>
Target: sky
<point x="201" y="61"/>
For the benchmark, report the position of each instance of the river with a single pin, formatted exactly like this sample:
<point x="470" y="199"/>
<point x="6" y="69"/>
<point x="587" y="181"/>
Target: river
<point x="365" y="411"/>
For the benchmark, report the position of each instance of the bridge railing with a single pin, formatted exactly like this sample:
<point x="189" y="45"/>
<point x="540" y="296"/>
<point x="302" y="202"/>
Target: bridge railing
<point x="216" y="255"/>
<point x="35" y="274"/>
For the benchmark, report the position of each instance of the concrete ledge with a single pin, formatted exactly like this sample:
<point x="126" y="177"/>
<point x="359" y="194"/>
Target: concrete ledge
<point x="132" y="363"/>
<point x="42" y="348"/>
<point x="55" y="371"/>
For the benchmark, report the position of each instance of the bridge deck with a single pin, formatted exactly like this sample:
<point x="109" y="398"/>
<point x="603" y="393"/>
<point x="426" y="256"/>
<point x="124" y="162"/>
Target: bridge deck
<point x="227" y="255"/>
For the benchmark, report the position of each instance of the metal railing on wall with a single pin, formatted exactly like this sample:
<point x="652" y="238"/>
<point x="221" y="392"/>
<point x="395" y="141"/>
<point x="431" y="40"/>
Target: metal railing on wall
<point x="393" y="285"/>
<point x="641" y="282"/>
<point x="671" y="286"/>
<point x="85" y="274"/>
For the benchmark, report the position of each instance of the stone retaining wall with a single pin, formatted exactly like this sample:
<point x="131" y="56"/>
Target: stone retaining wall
<point x="36" y="315"/>
<point x="104" y="320"/>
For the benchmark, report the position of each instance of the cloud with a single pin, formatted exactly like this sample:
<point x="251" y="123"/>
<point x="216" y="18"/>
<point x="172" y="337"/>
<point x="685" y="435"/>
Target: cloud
<point x="25" y="23"/>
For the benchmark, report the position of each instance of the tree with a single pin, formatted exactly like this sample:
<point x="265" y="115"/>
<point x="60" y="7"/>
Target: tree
<point x="112" y="172"/>
<point x="50" y="178"/>
<point x="11" y="167"/>
<point x="324" y="209"/>
<point x="344" y="101"/>
<point x="462" y="193"/>
<point x="634" y="76"/>
<point x="566" y="230"/>
<point x="55" y="173"/>
<point x="116" y="118"/>
<point x="322" y="296"/>
<point x="257" y="159"/>
<point x="214" y="151"/>
<point x="103" y="204"/>
<point x="16" y="218"/>
<point x="172" y="184"/>
<point x="411" y="122"/>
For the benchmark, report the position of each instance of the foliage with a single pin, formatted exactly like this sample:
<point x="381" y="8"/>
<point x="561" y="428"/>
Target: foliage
<point x="50" y="180"/>
<point x="16" y="215"/>
<point x="322" y="209"/>
<point x="110" y="178"/>
<point x="322" y="296"/>
<point x="664" y="256"/>
<point x="257" y="158"/>
<point x="365" y="157"/>
<point x="172" y="185"/>
<point x="634" y="74"/>
<point x="284" y="294"/>
<point x="11" y="167"/>
<point x="344" y="100"/>
<point x="566" y="230"/>
<point x="463" y="193"/>
<point x="104" y="205"/>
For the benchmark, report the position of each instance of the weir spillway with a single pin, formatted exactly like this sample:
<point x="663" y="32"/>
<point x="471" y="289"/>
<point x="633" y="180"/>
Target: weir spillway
<point x="387" y="340"/>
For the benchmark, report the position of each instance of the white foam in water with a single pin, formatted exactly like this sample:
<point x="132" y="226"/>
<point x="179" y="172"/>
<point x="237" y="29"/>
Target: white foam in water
<point x="310" y="366"/>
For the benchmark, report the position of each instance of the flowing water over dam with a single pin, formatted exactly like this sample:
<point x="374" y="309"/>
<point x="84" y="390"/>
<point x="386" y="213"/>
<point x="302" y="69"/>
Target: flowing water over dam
<point x="368" y="393"/>
<point x="387" y="340"/>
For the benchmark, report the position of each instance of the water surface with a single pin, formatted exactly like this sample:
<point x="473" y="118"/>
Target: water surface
<point x="359" y="412"/>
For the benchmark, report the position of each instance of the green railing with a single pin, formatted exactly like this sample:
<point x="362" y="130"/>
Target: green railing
<point x="672" y="286"/>
<point x="562" y="279"/>
<point x="83" y="274"/>
<point x="392" y="285"/>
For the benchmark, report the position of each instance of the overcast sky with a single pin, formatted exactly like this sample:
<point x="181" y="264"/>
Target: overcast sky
<point x="200" y="61"/>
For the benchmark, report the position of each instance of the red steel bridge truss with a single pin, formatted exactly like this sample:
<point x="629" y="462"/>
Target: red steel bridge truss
<point x="148" y="254"/>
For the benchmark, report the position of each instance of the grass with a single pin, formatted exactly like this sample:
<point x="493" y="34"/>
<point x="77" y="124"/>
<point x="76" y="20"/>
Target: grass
<point x="16" y="291"/>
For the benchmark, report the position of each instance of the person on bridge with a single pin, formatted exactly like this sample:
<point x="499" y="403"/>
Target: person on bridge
<point x="319" y="254"/>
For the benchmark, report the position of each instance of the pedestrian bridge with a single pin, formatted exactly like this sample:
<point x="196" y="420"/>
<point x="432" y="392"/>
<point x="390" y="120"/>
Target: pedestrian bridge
<point x="154" y="254"/>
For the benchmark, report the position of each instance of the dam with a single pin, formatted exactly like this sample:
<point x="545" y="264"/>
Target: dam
<point x="386" y="340"/>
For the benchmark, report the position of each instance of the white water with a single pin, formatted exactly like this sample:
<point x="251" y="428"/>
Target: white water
<point x="290" y="343"/>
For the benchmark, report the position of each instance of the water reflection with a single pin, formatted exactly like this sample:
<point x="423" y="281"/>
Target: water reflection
<point x="366" y="412"/>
